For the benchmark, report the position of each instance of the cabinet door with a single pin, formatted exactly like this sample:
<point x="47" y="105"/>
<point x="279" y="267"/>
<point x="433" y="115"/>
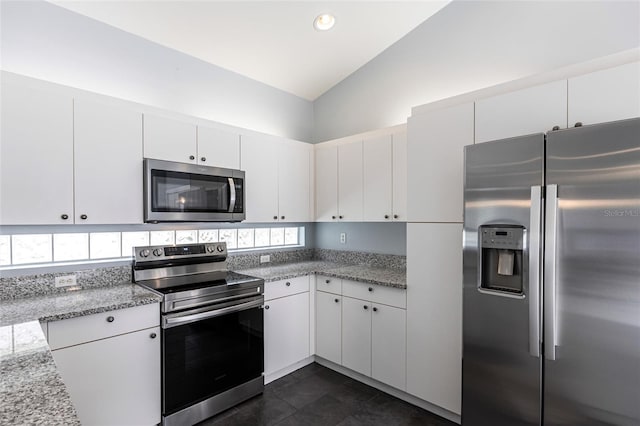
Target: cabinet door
<point x="389" y="345"/>
<point x="114" y="381"/>
<point x="36" y="157"/>
<point x="286" y="332"/>
<point x="400" y="176"/>
<point x="293" y="181"/>
<point x="434" y="313"/>
<point x="326" y="159"/>
<point x="107" y="163"/>
<point x="218" y="148"/>
<point x="350" y="182"/>
<point x="532" y="110"/>
<point x="356" y="335"/>
<point x="435" y="163"/>
<point x="607" y="95"/>
<point x="329" y="326"/>
<point x="259" y="160"/>
<point x="169" y="139"/>
<point x="378" y="179"/>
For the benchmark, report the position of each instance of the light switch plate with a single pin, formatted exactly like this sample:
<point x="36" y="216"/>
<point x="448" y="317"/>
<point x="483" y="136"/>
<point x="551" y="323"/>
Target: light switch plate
<point x="343" y="238"/>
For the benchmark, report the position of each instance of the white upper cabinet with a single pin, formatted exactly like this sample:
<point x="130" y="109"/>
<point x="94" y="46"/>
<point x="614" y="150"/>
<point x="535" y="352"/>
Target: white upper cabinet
<point x="326" y="171"/>
<point x="259" y="160"/>
<point x="532" y="110"/>
<point x="218" y="148"/>
<point x="435" y="163"/>
<point x="294" y="181"/>
<point x="108" y="163"/>
<point x="170" y="140"/>
<point x="606" y="95"/>
<point x="400" y="176"/>
<point x="378" y="179"/>
<point x="36" y="157"/>
<point x="350" y="181"/>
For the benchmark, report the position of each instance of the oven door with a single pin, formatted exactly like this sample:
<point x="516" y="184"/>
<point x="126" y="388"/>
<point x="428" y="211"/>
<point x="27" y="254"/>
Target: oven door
<point x="210" y="350"/>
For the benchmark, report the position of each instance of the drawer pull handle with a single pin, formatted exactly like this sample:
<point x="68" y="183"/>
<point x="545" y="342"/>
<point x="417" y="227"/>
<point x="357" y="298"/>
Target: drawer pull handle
<point x="336" y="300"/>
<point x="366" y="307"/>
<point x="327" y="281"/>
<point x="152" y="335"/>
<point x="110" y="319"/>
<point x="288" y="283"/>
<point x="370" y="288"/>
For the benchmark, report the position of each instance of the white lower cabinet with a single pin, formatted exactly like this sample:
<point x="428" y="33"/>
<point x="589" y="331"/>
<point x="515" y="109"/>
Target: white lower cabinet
<point x="286" y="324"/>
<point x="329" y="325"/>
<point x="112" y="379"/>
<point x="365" y="333"/>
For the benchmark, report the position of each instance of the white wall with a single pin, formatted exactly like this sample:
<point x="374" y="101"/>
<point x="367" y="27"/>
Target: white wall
<point x="44" y="41"/>
<point x="470" y="45"/>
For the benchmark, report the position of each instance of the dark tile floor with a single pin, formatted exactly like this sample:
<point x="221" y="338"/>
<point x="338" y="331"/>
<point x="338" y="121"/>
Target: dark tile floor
<point x="318" y="396"/>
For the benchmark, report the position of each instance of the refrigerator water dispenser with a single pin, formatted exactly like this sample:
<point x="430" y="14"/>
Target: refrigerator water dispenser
<point x="500" y="251"/>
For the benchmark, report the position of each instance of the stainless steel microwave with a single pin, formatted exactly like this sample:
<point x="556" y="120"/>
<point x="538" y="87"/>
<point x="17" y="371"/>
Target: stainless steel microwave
<point x="179" y="192"/>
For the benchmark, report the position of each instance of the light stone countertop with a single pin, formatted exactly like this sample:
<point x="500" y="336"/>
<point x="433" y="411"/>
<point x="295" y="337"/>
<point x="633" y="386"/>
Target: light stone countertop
<point x="31" y="388"/>
<point x="387" y="277"/>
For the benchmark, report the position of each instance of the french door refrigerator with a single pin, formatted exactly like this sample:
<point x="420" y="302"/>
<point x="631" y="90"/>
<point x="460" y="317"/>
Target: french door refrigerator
<point x="551" y="287"/>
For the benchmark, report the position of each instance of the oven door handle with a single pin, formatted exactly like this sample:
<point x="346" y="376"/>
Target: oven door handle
<point x="176" y="321"/>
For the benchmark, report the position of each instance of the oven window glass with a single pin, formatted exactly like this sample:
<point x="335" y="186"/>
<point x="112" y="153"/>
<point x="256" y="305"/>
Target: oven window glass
<point x="205" y="358"/>
<point x="188" y="192"/>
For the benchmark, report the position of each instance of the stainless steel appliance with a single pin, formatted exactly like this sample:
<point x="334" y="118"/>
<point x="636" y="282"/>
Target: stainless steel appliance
<point x="212" y="329"/>
<point x="179" y="192"/>
<point x="551" y="291"/>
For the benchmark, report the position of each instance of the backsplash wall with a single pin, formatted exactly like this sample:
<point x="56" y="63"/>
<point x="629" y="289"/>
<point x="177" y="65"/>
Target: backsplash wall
<point x="370" y="237"/>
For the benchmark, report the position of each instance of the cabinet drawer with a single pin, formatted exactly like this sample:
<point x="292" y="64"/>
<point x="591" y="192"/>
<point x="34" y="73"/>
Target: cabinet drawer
<point x="275" y="289"/>
<point x="84" y="329"/>
<point x="375" y="293"/>
<point x="329" y="284"/>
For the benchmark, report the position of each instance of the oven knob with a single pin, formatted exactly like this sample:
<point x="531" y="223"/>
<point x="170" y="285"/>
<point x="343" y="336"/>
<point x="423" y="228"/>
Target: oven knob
<point x="157" y="252"/>
<point x="220" y="249"/>
<point x="211" y="249"/>
<point x="144" y="253"/>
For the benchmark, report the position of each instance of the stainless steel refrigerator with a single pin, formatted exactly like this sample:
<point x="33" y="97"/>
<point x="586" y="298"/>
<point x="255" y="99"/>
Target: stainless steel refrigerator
<point x="551" y="287"/>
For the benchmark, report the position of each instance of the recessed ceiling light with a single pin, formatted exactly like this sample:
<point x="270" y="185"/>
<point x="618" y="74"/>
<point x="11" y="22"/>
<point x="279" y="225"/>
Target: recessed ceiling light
<point x="324" y="22"/>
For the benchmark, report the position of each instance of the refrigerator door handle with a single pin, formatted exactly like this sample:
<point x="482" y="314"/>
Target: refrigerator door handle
<point x="535" y="232"/>
<point x="550" y="326"/>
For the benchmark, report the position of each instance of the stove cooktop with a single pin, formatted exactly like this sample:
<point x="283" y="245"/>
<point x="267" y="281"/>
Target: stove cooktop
<point x="186" y="283"/>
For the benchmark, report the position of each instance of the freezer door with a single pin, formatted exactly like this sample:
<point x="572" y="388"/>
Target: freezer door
<point x="501" y="363"/>
<point x="592" y="284"/>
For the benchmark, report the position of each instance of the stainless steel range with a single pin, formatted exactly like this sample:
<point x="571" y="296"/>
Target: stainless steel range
<point x="212" y="329"/>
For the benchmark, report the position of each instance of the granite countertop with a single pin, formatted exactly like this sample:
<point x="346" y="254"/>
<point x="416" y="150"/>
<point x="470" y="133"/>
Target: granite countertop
<point x="31" y="389"/>
<point x="388" y="277"/>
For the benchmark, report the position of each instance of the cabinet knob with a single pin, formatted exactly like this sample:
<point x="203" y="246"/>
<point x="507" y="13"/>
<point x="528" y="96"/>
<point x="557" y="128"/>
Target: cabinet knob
<point x="370" y="288"/>
<point x="386" y="216"/>
<point x="339" y="217"/>
<point x="192" y="157"/>
<point x="266" y="306"/>
<point x="578" y="124"/>
<point x="203" y="159"/>
<point x="555" y="128"/>
<point x="327" y="281"/>
<point x="83" y="216"/>
<point x="333" y="217"/>
<point x="282" y="217"/>
<point x="287" y="283"/>
<point x="64" y="217"/>
<point x="336" y="300"/>
<point x="110" y="319"/>
<point x="275" y="218"/>
<point x="395" y="216"/>
<point x="365" y="307"/>
<point x="375" y="309"/>
<point x="153" y="335"/>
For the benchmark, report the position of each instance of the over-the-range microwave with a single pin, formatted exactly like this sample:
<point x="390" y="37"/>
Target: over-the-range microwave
<point x="180" y="192"/>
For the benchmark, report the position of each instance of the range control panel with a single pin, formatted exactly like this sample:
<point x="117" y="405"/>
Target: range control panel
<point x="502" y="237"/>
<point x="155" y="253"/>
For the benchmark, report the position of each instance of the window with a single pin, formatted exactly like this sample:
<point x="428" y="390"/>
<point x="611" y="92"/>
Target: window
<point x="81" y="247"/>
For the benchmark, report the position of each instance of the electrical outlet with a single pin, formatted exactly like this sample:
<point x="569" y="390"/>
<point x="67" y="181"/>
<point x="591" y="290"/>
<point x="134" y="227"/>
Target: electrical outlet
<point x="343" y="238"/>
<point x="265" y="258"/>
<point x="66" y="281"/>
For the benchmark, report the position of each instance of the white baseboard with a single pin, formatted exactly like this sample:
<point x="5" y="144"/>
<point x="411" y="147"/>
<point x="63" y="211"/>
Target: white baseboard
<point x="390" y="390"/>
<point x="268" y="378"/>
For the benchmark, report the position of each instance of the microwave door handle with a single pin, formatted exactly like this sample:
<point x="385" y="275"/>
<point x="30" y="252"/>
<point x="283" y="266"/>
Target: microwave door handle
<point x="232" y="195"/>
